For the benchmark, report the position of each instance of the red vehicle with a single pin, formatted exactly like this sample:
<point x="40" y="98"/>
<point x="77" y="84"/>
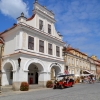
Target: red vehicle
<point x="64" y="82"/>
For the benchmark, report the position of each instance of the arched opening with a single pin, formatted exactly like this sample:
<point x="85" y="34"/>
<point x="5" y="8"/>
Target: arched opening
<point x="33" y="73"/>
<point x="55" y="70"/>
<point x="8" y="74"/>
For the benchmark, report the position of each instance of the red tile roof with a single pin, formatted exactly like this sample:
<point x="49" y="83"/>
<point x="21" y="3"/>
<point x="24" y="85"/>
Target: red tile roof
<point x="9" y="29"/>
<point x="31" y="17"/>
<point x="70" y="48"/>
<point x="1" y="40"/>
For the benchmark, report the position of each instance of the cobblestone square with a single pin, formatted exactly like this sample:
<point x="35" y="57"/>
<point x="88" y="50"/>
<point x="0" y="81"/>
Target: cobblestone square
<point x="78" y="92"/>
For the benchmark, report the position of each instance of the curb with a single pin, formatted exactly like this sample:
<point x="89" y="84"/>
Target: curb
<point x="20" y="92"/>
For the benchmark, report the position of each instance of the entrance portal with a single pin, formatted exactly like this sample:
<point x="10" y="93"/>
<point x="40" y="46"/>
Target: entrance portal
<point x="33" y="74"/>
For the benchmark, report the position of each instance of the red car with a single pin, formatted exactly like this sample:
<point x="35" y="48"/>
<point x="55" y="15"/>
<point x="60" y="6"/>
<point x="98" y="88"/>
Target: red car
<point x="64" y="82"/>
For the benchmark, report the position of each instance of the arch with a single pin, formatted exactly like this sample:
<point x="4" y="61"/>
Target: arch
<point x="11" y="62"/>
<point x="55" y="64"/>
<point x="55" y="69"/>
<point x="35" y="61"/>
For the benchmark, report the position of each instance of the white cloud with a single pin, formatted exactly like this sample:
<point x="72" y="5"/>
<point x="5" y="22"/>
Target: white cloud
<point x="78" y="22"/>
<point x="13" y="8"/>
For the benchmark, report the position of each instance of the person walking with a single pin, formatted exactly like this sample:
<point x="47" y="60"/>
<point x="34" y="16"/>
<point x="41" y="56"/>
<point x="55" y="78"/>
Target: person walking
<point x="93" y="79"/>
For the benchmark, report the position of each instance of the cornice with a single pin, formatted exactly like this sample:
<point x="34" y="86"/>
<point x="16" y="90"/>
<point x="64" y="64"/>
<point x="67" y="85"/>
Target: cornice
<point x="33" y="54"/>
<point x="75" y="56"/>
<point x="44" y="34"/>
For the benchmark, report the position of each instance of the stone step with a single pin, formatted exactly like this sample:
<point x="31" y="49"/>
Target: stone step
<point x="35" y="86"/>
<point x="6" y="88"/>
<point x="9" y="87"/>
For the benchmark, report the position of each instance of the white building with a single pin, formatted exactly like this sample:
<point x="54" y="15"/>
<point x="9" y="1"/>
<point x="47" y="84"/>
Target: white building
<point x="35" y="43"/>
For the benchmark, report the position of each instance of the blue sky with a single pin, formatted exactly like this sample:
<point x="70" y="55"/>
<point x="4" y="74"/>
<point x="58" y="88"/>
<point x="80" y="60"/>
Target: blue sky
<point x="77" y="20"/>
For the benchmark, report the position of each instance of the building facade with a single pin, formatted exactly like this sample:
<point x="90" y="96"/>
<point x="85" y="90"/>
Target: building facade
<point x="92" y="66"/>
<point x="32" y="49"/>
<point x="76" y="62"/>
<point x="97" y="63"/>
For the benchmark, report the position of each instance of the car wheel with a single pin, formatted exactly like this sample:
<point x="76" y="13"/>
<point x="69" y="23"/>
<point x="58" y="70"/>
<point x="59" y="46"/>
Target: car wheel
<point x="61" y="87"/>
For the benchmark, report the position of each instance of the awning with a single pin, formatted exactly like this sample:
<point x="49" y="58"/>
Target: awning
<point x="77" y="75"/>
<point x="88" y="72"/>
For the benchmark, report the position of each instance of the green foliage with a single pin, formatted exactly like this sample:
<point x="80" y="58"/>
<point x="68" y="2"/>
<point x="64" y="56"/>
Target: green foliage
<point x="49" y="84"/>
<point x="24" y="86"/>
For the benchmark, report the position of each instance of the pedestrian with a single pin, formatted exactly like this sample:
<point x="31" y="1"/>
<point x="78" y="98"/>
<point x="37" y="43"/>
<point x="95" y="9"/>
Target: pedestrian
<point x="93" y="79"/>
<point x="67" y="80"/>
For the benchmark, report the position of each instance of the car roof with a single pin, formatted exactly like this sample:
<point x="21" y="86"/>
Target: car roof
<point x="66" y="75"/>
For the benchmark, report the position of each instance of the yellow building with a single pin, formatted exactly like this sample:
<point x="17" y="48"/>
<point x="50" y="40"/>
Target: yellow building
<point x="76" y="62"/>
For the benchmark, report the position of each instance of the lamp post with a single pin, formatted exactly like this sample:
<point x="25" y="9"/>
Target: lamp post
<point x="19" y="61"/>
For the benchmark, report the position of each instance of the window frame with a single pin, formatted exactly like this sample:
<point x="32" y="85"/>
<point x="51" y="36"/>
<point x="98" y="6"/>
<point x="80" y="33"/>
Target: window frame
<point x="49" y="28"/>
<point x="57" y="51"/>
<point x="32" y="43"/>
<point x="40" y="24"/>
<point x="50" y="50"/>
<point x="41" y="46"/>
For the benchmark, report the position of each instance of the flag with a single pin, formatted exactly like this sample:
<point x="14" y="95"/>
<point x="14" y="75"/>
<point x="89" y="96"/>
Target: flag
<point x="66" y="72"/>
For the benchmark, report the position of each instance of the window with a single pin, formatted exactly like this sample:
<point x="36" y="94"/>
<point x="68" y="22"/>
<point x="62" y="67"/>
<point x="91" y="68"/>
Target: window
<point x="30" y="43"/>
<point x="49" y="29"/>
<point x="49" y="48"/>
<point x="40" y="24"/>
<point x="66" y="67"/>
<point x="68" y="60"/>
<point x="41" y="46"/>
<point x="57" y="51"/>
<point x="80" y="63"/>
<point x="28" y="73"/>
<point x="31" y="74"/>
<point x="76" y="62"/>
<point x="73" y="61"/>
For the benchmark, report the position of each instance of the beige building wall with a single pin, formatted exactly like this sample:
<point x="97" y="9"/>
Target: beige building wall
<point x="76" y="62"/>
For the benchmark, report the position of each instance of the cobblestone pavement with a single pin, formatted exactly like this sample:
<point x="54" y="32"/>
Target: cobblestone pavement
<point x="78" y="92"/>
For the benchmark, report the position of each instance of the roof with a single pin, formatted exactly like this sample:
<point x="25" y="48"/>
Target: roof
<point x="70" y="48"/>
<point x="9" y="29"/>
<point x="1" y="40"/>
<point x="31" y="17"/>
<point x="97" y="64"/>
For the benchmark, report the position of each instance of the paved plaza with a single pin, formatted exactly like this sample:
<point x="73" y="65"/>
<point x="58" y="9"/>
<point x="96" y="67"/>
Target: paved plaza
<point x="78" y="92"/>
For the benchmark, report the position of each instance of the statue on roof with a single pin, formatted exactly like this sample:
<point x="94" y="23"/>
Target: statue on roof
<point x="36" y="0"/>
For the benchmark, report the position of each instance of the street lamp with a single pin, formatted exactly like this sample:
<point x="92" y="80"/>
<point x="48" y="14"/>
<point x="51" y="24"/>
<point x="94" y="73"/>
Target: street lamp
<point x="19" y="61"/>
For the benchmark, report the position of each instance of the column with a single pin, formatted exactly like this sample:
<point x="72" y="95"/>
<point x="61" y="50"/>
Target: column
<point x="43" y="78"/>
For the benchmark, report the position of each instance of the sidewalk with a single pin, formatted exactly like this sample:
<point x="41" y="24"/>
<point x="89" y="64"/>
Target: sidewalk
<point x="19" y="92"/>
